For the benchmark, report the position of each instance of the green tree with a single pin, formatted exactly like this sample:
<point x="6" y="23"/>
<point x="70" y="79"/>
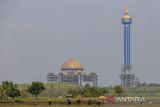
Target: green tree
<point x="86" y="91"/>
<point x="9" y="89"/>
<point x="118" y="90"/>
<point x="1" y="92"/>
<point x="89" y="91"/>
<point x="4" y="86"/>
<point x="73" y="92"/>
<point x="12" y="92"/>
<point x="36" y="88"/>
<point x="101" y="91"/>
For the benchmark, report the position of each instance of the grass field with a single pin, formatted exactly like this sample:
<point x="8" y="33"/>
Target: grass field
<point x="114" y="105"/>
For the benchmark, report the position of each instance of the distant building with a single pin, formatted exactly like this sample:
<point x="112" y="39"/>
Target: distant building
<point x="72" y="73"/>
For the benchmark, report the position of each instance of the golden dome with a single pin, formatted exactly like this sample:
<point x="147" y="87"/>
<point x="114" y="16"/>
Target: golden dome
<point x="72" y="64"/>
<point x="127" y="17"/>
<point x="126" y="13"/>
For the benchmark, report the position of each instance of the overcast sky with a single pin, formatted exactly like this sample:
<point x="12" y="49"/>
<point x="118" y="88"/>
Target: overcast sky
<point x="38" y="36"/>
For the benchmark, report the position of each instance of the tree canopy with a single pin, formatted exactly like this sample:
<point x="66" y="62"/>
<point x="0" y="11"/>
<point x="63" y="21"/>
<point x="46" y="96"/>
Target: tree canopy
<point x="118" y="90"/>
<point x="36" y="88"/>
<point x="10" y="89"/>
<point x="88" y="91"/>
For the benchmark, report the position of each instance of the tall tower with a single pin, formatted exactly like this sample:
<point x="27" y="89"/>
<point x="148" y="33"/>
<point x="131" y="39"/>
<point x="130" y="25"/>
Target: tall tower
<point x="126" y="76"/>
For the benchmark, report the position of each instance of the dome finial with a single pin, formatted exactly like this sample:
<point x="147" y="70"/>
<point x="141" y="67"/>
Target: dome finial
<point x="126" y="16"/>
<point x="126" y="10"/>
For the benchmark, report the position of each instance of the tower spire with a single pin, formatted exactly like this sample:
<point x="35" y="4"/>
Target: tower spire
<point x="126" y="10"/>
<point x="126" y="16"/>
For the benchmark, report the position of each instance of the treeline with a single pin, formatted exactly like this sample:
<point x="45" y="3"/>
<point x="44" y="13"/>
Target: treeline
<point x="9" y="90"/>
<point x="88" y="91"/>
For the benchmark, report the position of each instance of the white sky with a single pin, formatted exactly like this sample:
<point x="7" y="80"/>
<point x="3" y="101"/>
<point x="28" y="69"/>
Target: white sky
<point x="38" y="36"/>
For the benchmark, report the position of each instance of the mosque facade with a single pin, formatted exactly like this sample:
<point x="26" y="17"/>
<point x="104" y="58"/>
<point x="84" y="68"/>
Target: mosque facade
<point x="72" y="72"/>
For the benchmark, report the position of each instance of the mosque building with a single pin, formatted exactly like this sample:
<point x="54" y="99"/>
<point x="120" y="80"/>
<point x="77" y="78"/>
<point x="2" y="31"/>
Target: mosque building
<point x="72" y="72"/>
